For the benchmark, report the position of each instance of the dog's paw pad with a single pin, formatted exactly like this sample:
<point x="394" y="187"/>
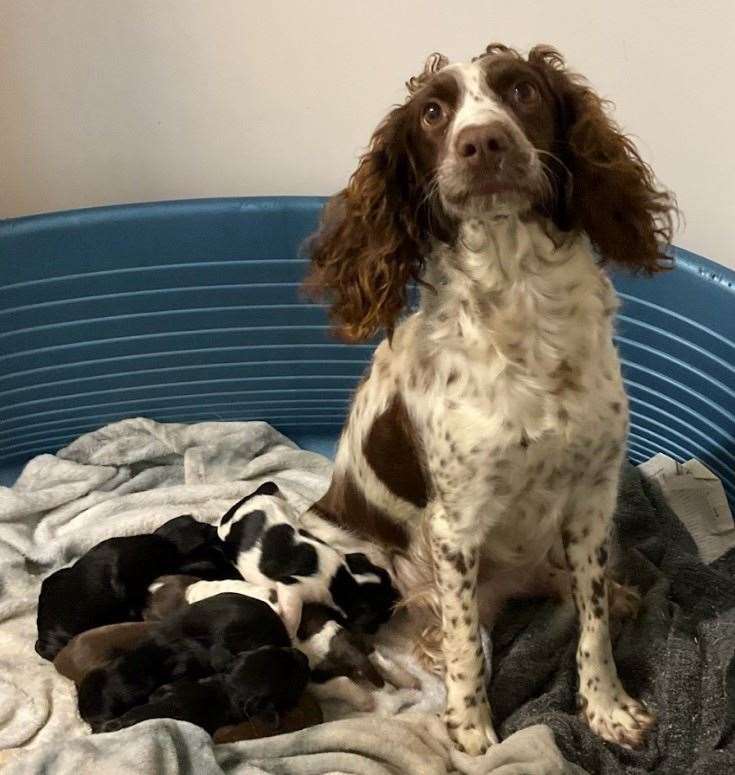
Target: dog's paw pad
<point x="625" y="722"/>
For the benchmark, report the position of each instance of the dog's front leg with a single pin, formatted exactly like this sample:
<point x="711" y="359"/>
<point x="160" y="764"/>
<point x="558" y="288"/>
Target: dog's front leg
<point x="608" y="708"/>
<point x="455" y="551"/>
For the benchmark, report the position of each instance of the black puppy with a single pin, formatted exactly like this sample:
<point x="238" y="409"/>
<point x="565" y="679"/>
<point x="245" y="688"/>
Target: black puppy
<point x="265" y="682"/>
<point x="109" y="584"/>
<point x="109" y="691"/>
<point x="195" y="642"/>
<point x="201" y="550"/>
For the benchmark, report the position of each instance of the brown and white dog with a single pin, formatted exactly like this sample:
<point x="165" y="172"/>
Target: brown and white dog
<point x="486" y="440"/>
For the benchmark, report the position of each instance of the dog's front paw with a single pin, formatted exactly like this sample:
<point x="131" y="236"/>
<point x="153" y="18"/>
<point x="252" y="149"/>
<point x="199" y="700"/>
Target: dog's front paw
<point x="620" y="720"/>
<point x="472" y="731"/>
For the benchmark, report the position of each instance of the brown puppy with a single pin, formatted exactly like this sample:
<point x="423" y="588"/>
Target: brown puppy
<point x="166" y="595"/>
<point x="98" y="647"/>
<point x="306" y="714"/>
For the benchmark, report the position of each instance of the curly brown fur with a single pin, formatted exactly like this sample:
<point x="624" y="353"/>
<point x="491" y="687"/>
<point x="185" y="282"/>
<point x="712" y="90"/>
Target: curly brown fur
<point x="603" y="186"/>
<point x="374" y="233"/>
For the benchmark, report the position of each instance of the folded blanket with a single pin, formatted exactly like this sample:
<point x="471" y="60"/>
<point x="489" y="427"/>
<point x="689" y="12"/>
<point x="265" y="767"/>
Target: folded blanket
<point x="132" y="476"/>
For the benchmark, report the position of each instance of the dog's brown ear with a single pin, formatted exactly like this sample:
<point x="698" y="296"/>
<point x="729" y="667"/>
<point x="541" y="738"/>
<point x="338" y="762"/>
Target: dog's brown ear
<point x="610" y="192"/>
<point x="369" y="244"/>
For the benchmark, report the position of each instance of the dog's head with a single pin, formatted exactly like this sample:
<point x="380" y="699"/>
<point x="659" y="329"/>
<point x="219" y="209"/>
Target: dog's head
<point x="500" y="134"/>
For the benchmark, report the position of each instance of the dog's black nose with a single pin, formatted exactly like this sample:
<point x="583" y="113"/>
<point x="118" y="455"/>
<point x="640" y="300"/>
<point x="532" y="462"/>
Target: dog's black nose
<point x="483" y="145"/>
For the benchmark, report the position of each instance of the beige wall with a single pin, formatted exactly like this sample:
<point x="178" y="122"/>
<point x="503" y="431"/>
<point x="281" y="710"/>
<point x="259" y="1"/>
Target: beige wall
<point x="105" y="101"/>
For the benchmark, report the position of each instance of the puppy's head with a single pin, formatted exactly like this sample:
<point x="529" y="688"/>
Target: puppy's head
<point x="268" y="680"/>
<point x="374" y="598"/>
<point x="201" y="552"/>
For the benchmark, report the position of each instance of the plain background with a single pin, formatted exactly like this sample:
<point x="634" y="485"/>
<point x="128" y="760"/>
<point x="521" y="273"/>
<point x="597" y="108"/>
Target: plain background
<point x="108" y="101"/>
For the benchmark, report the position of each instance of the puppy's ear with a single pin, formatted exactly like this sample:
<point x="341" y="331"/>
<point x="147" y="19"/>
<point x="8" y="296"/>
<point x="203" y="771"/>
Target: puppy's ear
<point x="608" y="191"/>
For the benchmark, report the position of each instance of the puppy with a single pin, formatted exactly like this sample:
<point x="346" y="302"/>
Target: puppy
<point x="343" y="661"/>
<point x="109" y="584"/>
<point x="196" y="641"/>
<point x="262" y="537"/>
<point x="338" y="658"/>
<point x="330" y="648"/>
<point x="263" y="683"/>
<point x="94" y="648"/>
<point x="128" y="681"/>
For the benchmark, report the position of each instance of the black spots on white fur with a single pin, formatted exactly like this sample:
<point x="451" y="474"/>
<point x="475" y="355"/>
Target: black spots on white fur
<point x="601" y="555"/>
<point x="267" y="488"/>
<point x="598" y="589"/>
<point x="245" y="532"/>
<point x="457" y="559"/>
<point x="282" y="557"/>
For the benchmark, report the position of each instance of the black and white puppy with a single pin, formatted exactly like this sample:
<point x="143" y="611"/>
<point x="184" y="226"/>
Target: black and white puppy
<point x="263" y="538"/>
<point x="109" y="584"/>
<point x="196" y="641"/>
<point x="341" y="661"/>
<point x="265" y="682"/>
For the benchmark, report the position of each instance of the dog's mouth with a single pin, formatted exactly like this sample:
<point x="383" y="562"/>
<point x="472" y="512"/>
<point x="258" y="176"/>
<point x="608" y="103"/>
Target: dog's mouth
<point x="517" y="183"/>
<point x="490" y="193"/>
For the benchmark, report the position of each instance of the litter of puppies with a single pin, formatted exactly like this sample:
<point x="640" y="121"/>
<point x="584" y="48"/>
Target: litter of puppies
<point x="238" y="628"/>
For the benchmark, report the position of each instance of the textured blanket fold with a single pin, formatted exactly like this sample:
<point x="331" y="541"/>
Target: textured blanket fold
<point x="132" y="476"/>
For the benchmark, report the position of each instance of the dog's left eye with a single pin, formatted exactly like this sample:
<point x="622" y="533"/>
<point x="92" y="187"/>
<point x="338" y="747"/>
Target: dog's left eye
<point x="524" y="93"/>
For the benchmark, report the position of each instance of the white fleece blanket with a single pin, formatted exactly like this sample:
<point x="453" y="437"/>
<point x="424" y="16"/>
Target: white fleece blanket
<point x="128" y="478"/>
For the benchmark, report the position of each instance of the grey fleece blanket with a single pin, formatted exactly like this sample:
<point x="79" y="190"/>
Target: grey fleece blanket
<point x="678" y="655"/>
<point x="129" y="478"/>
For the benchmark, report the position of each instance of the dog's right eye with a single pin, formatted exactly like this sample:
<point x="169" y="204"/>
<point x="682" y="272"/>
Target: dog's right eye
<point x="432" y="113"/>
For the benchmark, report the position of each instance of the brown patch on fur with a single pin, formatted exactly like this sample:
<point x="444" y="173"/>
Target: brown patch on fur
<point x="392" y="452"/>
<point x="346" y="506"/>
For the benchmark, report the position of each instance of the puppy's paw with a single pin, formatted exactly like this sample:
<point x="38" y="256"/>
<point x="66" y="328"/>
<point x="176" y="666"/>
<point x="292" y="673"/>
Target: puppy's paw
<point x="472" y="731"/>
<point x="619" y="719"/>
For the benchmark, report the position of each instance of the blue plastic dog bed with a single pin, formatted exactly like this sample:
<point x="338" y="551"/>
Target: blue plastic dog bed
<point x="191" y="310"/>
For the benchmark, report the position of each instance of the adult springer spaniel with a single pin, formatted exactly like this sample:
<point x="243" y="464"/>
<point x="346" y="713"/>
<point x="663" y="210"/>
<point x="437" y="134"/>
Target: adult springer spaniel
<point x="484" y="445"/>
